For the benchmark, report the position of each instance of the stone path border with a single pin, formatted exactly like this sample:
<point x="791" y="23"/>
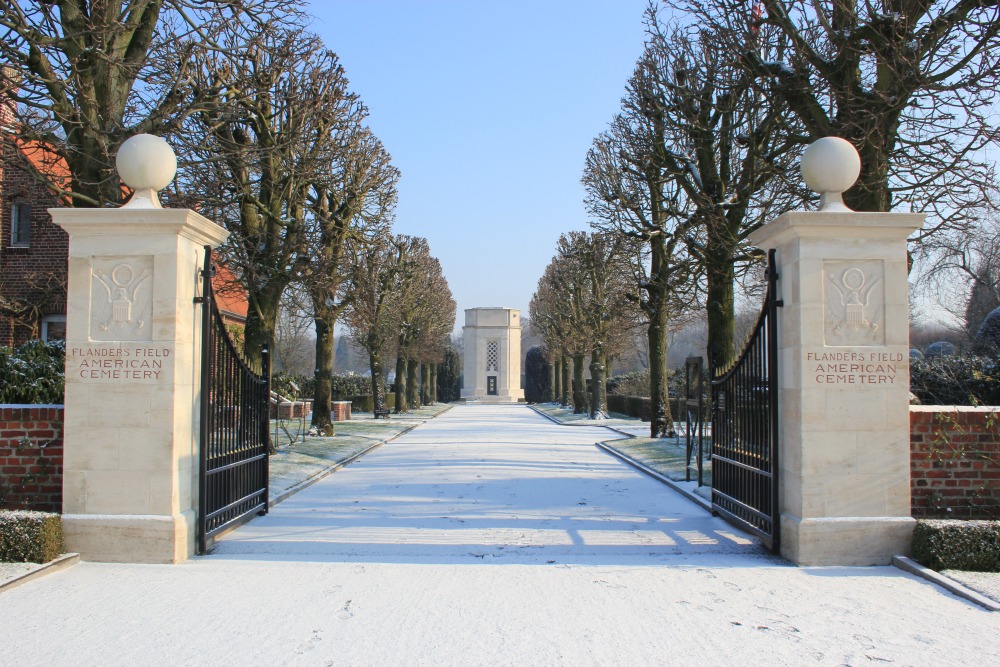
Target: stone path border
<point x="60" y="563"/>
<point x="950" y="585"/>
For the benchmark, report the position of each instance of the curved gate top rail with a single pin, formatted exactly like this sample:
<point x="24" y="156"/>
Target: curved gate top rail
<point x="235" y="416"/>
<point x="745" y="428"/>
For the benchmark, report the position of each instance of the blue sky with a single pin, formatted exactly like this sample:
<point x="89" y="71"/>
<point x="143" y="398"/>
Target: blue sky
<point x="488" y="108"/>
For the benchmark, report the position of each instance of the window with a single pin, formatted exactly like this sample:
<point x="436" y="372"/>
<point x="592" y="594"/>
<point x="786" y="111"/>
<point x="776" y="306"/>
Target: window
<point x="54" y="327"/>
<point x="493" y="355"/>
<point x="20" y="225"/>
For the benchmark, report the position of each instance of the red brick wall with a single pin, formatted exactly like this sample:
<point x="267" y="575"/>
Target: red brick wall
<point x="31" y="457"/>
<point x="35" y="275"/>
<point x="955" y="462"/>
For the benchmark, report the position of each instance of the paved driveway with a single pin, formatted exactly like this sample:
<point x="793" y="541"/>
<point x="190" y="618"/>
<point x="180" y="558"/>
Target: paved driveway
<point x="489" y="536"/>
<point x="488" y="484"/>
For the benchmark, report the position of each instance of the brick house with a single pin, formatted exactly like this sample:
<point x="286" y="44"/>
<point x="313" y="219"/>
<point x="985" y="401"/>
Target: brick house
<point x="33" y="249"/>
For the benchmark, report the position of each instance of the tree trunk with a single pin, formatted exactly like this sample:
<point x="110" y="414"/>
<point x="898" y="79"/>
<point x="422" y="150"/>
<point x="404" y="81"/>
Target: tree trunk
<point x="432" y="381"/>
<point x="661" y="423"/>
<point x="425" y="388"/>
<point x="402" y="405"/>
<point x="262" y="316"/>
<point x="599" y="391"/>
<point x="720" y="276"/>
<point x="323" y="376"/>
<point x="564" y="399"/>
<point x="378" y="393"/>
<point x="552" y="390"/>
<point x="579" y="385"/>
<point x="412" y="384"/>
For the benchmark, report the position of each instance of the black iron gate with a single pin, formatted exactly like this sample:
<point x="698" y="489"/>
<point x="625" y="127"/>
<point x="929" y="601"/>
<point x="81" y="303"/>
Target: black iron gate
<point x="745" y="428"/>
<point x="235" y="404"/>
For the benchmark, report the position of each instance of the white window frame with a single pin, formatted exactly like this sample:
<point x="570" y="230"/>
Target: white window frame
<point x="20" y="225"/>
<point x="46" y="320"/>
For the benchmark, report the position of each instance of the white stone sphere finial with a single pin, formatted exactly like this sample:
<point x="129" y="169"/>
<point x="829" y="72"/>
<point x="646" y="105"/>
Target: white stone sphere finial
<point x="147" y="164"/>
<point x="830" y="166"/>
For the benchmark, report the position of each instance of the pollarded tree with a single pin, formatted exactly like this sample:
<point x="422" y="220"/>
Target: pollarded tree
<point x="257" y="151"/>
<point x="88" y="75"/>
<point x="911" y="83"/>
<point x="375" y="275"/>
<point x="604" y="309"/>
<point x="729" y="153"/>
<point x="630" y="192"/>
<point x="550" y="321"/>
<point x="426" y="314"/>
<point x="354" y="199"/>
<point x="562" y="298"/>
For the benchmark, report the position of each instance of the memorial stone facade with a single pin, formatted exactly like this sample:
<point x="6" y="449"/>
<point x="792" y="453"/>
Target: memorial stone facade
<point x="492" y="369"/>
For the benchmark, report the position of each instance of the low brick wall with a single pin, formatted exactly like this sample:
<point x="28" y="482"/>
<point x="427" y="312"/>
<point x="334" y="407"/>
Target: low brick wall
<point x="31" y="457"/>
<point x="955" y="462"/>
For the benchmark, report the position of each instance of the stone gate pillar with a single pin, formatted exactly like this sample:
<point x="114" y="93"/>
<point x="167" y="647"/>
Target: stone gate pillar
<point x="132" y="350"/>
<point x="844" y="371"/>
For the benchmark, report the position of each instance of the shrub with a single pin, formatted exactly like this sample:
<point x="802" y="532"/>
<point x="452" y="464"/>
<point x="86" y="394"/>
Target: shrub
<point x="956" y="380"/>
<point x="350" y="385"/>
<point x="536" y="377"/>
<point x="30" y="537"/>
<point x="942" y="348"/>
<point x="449" y="376"/>
<point x="958" y="545"/>
<point x="987" y="338"/>
<point x="33" y="373"/>
<point x="365" y="402"/>
<point x="630" y="384"/>
<point x="281" y="384"/>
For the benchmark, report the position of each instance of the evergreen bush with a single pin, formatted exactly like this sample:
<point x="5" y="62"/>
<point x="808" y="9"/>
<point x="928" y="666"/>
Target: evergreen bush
<point x="30" y="537"/>
<point x="33" y="373"/>
<point x="449" y="376"/>
<point x="956" y="380"/>
<point x="958" y="545"/>
<point x="987" y="338"/>
<point x="942" y="348"/>
<point x="536" y="376"/>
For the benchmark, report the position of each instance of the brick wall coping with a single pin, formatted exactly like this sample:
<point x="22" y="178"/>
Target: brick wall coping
<point x="954" y="408"/>
<point x="28" y="406"/>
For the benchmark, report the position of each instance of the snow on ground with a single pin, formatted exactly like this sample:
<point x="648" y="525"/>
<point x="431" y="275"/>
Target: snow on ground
<point x="435" y="550"/>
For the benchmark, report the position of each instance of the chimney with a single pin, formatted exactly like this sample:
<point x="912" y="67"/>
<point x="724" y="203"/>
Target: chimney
<point x="9" y="85"/>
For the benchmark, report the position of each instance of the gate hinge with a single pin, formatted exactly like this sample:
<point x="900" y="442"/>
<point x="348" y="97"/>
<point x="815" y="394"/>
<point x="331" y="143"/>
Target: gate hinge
<point x="780" y="303"/>
<point x="199" y="299"/>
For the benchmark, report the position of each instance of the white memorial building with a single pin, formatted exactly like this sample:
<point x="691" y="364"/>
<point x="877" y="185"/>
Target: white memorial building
<point x="492" y="369"/>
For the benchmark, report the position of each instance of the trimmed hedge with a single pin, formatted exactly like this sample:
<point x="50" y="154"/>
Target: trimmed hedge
<point x="365" y="403"/>
<point x="958" y="545"/>
<point x="30" y="537"/>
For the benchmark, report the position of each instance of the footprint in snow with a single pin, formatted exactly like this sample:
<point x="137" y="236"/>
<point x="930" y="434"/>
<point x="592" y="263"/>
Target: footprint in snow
<point x="309" y="644"/>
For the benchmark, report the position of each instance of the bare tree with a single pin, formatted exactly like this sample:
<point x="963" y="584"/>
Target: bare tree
<point x="728" y="151"/>
<point x="425" y="313"/>
<point x="911" y="83"/>
<point x="630" y="192"/>
<point x="355" y="200"/>
<point x="88" y="75"/>
<point x="603" y="305"/>
<point x="375" y="274"/>
<point x="256" y="152"/>
<point x="963" y="272"/>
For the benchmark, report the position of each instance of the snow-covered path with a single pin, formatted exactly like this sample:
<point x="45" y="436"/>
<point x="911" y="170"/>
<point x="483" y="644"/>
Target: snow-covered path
<point x="495" y="483"/>
<point x="435" y="550"/>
